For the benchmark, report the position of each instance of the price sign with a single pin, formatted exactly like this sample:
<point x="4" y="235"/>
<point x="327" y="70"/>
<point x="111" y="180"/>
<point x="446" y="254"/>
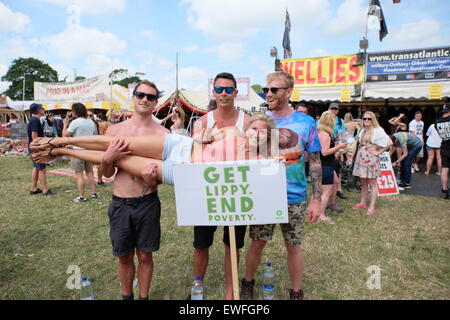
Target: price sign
<point x="386" y="182"/>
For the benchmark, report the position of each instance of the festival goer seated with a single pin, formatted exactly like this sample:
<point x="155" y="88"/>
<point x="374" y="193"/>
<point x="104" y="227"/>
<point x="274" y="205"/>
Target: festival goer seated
<point x="162" y="152"/>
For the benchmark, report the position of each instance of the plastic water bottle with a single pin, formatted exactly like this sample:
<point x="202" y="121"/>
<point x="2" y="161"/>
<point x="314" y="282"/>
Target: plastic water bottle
<point x="87" y="292"/>
<point x="197" y="289"/>
<point x="269" y="282"/>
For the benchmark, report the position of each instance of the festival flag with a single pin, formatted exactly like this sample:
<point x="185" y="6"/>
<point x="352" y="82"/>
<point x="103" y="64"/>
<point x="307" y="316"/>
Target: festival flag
<point x="375" y="10"/>
<point x="286" y="38"/>
<point x="396" y="1"/>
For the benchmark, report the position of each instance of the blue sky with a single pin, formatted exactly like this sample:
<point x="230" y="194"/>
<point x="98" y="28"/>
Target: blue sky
<point x="210" y="36"/>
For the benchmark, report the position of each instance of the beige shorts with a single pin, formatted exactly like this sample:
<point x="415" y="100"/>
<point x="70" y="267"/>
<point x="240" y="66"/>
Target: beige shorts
<point x="79" y="166"/>
<point x="292" y="231"/>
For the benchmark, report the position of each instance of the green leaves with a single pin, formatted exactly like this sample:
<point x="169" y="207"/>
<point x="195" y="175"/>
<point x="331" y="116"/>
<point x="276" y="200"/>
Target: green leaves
<point x="34" y="70"/>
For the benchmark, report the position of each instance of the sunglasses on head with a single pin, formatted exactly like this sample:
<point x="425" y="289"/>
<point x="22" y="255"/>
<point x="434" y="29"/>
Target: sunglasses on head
<point x="228" y="90"/>
<point x="150" y="97"/>
<point x="370" y="119"/>
<point x="273" y="90"/>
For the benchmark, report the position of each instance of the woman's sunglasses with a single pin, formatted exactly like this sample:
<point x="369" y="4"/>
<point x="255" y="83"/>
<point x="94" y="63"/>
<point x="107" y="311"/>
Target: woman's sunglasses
<point x="370" y="119"/>
<point x="228" y="90"/>
<point x="273" y="90"/>
<point x="141" y="95"/>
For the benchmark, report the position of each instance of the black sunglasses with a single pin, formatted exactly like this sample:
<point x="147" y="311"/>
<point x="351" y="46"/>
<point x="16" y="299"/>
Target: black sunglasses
<point x="150" y="97"/>
<point x="273" y="90"/>
<point x="228" y="90"/>
<point x="367" y="119"/>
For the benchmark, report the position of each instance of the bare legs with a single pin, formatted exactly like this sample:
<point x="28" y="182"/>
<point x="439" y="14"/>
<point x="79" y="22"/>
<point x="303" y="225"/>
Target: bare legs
<point x="151" y="146"/>
<point x="131" y="164"/>
<point x="127" y="273"/>
<point x="365" y="182"/>
<point x="327" y="190"/>
<point x="431" y="156"/>
<point x="295" y="262"/>
<point x="39" y="175"/>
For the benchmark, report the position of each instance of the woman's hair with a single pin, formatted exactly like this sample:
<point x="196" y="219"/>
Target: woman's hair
<point x="348" y="117"/>
<point x="270" y="129"/>
<point x="180" y="112"/>
<point x="47" y="119"/>
<point x="375" y="124"/>
<point x="80" y="110"/>
<point x="327" y="122"/>
<point x="263" y="117"/>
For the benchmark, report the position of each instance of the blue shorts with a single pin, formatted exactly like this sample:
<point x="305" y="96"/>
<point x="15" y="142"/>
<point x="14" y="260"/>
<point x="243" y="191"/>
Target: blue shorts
<point x="177" y="150"/>
<point x="39" y="166"/>
<point x="327" y="175"/>
<point x="431" y="148"/>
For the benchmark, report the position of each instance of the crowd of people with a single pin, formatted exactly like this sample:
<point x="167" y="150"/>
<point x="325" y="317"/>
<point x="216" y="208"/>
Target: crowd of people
<point x="141" y="153"/>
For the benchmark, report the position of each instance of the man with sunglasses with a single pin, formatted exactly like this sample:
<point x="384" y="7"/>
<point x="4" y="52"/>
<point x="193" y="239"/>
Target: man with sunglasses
<point x="134" y="213"/>
<point x="279" y="90"/>
<point x="225" y="115"/>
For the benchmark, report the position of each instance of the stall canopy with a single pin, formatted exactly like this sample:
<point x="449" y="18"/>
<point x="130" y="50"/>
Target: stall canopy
<point x="197" y="101"/>
<point x="405" y="90"/>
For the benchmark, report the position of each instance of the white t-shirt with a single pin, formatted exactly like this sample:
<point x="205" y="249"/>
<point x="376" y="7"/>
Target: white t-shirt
<point x="434" y="140"/>
<point x="417" y="127"/>
<point x="379" y="137"/>
<point x="81" y="127"/>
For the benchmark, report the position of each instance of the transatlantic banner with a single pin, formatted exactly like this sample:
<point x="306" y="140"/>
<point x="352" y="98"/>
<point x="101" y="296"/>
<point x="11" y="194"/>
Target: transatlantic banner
<point x="89" y="90"/>
<point x="325" y="71"/>
<point x="405" y="65"/>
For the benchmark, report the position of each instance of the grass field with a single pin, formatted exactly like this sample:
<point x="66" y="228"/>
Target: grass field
<point x="408" y="239"/>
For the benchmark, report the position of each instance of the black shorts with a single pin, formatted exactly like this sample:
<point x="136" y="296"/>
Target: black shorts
<point x="445" y="155"/>
<point x="204" y="236"/>
<point x="39" y="166"/>
<point x="135" y="224"/>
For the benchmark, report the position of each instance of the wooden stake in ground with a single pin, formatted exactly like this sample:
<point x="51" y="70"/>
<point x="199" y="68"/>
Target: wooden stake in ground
<point x="234" y="264"/>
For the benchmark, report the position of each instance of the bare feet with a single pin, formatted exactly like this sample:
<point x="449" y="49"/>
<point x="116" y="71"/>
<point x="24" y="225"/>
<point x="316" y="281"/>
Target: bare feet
<point x="41" y="144"/>
<point x="43" y="156"/>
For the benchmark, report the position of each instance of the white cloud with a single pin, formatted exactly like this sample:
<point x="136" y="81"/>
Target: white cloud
<point x="81" y="42"/>
<point x="98" y="64"/>
<point x="91" y="6"/>
<point x="64" y="72"/>
<point x="13" y="21"/>
<point x="318" y="53"/>
<point x="16" y="48"/>
<point x="191" y="49"/>
<point x="190" y="78"/>
<point x="239" y="19"/>
<point x="423" y="33"/>
<point x="4" y="85"/>
<point x="228" y="52"/>
<point x="147" y="34"/>
<point x="351" y="16"/>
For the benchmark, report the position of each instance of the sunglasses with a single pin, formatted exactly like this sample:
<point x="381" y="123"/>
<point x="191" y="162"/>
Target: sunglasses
<point x="150" y="97"/>
<point x="370" y="119"/>
<point x="273" y="90"/>
<point x="228" y="90"/>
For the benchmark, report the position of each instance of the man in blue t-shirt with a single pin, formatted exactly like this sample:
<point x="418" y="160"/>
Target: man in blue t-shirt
<point x="35" y="130"/>
<point x="279" y="90"/>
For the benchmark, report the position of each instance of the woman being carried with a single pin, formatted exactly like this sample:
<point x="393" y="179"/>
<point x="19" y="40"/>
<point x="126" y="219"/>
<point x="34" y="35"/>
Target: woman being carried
<point x="162" y="152"/>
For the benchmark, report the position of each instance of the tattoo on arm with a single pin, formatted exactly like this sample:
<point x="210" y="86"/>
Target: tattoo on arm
<point x="315" y="169"/>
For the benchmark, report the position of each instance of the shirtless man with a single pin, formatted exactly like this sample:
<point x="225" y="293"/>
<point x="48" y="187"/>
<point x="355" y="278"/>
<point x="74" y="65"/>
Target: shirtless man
<point x="225" y="92"/>
<point x="134" y="213"/>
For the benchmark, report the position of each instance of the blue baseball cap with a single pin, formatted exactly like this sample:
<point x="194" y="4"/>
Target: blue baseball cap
<point x="35" y="107"/>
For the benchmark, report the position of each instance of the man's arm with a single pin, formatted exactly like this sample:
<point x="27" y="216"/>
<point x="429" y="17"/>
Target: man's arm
<point x="315" y="169"/>
<point x="111" y="155"/>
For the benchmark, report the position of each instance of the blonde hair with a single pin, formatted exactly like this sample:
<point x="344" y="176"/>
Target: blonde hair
<point x="348" y="117"/>
<point x="375" y="124"/>
<point x="180" y="112"/>
<point x="287" y="77"/>
<point x="271" y="126"/>
<point x="326" y="122"/>
<point x="263" y="117"/>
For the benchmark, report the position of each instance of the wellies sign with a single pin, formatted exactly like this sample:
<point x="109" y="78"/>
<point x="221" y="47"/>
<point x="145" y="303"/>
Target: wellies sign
<point x="231" y="193"/>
